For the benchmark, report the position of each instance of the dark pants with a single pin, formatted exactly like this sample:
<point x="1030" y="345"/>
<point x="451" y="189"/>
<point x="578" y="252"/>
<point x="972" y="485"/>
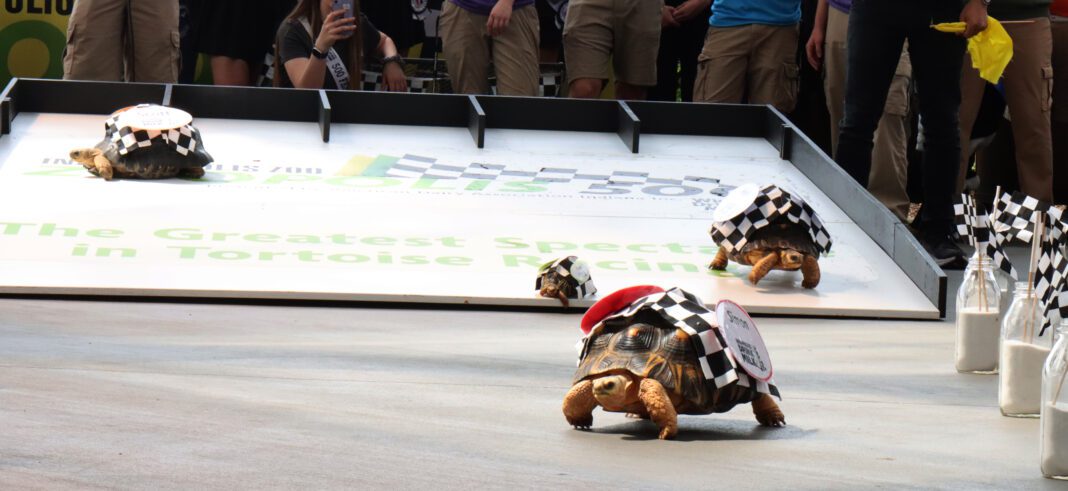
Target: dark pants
<point x="877" y="32"/>
<point x="676" y="63"/>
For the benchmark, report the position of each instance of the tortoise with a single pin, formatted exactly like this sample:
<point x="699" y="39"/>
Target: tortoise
<point x="556" y="285"/>
<point x="653" y="372"/>
<point x="153" y="163"/>
<point x="565" y="278"/>
<point x="782" y="244"/>
<point x="157" y="160"/>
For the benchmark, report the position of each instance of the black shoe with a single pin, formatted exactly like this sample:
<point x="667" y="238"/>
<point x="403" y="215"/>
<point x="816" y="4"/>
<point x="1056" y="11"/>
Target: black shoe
<point x="945" y="251"/>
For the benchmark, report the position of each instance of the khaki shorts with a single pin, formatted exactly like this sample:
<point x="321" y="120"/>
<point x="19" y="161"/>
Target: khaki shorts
<point x="752" y="63"/>
<point x="605" y="35"/>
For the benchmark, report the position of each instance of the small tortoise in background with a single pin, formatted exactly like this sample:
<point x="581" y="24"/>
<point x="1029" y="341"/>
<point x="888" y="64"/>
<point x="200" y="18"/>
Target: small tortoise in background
<point x="565" y="278"/>
<point x="783" y="245"/>
<point x="174" y="149"/>
<point x="654" y="373"/>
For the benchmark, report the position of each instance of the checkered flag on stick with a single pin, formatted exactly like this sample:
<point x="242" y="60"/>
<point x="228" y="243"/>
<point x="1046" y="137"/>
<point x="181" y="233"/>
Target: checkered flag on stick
<point x="1016" y="214"/>
<point x="971" y="224"/>
<point x="1051" y="273"/>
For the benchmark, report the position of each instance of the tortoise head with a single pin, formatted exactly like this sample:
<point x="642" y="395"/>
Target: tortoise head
<point x="615" y="391"/>
<point x="790" y="259"/>
<point x="84" y="156"/>
<point x="554" y="286"/>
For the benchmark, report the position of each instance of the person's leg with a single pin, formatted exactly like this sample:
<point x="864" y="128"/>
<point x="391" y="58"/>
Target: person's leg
<point x="1059" y="114"/>
<point x="971" y="100"/>
<point x="156" y="42"/>
<point x="636" y="42"/>
<point x="875" y="43"/>
<point x="466" y="49"/>
<point x="773" y="67"/>
<point x="94" y="41"/>
<point x="229" y="71"/>
<point x="515" y="54"/>
<point x="588" y="47"/>
<point x="1028" y="86"/>
<point x="889" y="162"/>
<point x="722" y="66"/>
<point x="693" y="36"/>
<point x="667" y="64"/>
<point x="936" y="66"/>
<point x="834" y="69"/>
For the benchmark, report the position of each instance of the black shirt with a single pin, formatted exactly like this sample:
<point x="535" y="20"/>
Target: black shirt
<point x="295" y="42"/>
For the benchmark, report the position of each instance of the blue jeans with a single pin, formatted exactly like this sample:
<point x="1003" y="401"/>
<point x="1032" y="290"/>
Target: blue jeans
<point x="877" y="32"/>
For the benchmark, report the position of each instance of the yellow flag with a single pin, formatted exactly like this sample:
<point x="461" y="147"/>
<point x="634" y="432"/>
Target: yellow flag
<point x="991" y="49"/>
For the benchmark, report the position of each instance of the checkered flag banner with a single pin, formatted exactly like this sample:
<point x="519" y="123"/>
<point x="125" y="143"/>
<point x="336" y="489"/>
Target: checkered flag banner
<point x="676" y="308"/>
<point x="770" y="204"/>
<point x="575" y="271"/>
<point x="1016" y="212"/>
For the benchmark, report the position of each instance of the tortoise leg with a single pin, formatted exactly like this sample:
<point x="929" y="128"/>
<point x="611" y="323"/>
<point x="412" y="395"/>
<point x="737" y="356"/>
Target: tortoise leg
<point x="810" y="271"/>
<point x="579" y="404"/>
<point x="720" y="262"/>
<point x="767" y="412"/>
<point x="563" y="298"/>
<point x="194" y="173"/>
<point x="660" y="408"/>
<point x="638" y="415"/>
<point x="103" y="167"/>
<point x="763" y="267"/>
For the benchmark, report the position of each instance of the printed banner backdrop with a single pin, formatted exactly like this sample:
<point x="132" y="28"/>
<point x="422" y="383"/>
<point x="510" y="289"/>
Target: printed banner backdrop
<point x="32" y="37"/>
<point x="391" y="213"/>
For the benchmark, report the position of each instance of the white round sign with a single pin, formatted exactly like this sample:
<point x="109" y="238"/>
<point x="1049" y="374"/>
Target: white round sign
<point x="736" y="202"/>
<point x="744" y="340"/>
<point x="153" y="117"/>
<point x="580" y="271"/>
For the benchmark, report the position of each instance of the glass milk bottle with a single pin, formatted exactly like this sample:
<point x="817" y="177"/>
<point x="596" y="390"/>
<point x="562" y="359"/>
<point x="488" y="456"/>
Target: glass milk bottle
<point x="1054" y="453"/>
<point x="1004" y="279"/>
<point x="978" y="319"/>
<point x="1023" y="352"/>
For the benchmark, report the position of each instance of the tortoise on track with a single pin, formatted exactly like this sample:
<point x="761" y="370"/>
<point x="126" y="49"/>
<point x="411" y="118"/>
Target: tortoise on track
<point x="653" y="372"/>
<point x="129" y="151"/>
<point x="782" y="245"/>
<point x="107" y="164"/>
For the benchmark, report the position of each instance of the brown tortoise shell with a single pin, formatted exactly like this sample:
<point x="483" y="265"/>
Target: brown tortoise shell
<point x="666" y="355"/>
<point x="778" y="235"/>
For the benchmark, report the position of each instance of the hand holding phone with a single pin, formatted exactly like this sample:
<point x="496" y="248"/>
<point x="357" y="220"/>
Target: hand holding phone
<point x="350" y="12"/>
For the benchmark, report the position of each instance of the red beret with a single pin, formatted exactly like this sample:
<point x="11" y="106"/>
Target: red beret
<point x="615" y="302"/>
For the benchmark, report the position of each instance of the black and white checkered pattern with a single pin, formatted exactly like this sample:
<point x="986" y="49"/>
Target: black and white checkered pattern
<point x="563" y="267"/>
<point x="771" y="203"/>
<point x="974" y="224"/>
<point x="1016" y="214"/>
<point x="182" y="140"/>
<point x="682" y="310"/>
<point x="415" y="167"/>
<point x="126" y="140"/>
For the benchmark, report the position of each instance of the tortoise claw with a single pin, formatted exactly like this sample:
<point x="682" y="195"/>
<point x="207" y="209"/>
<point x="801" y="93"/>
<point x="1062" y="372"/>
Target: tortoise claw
<point x="563" y="299"/>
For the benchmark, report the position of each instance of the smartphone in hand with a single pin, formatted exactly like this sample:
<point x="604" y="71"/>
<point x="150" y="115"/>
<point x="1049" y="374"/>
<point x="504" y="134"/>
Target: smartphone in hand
<point x="350" y="9"/>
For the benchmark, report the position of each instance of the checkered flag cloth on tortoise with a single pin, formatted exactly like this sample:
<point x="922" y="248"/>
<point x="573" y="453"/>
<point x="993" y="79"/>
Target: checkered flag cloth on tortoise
<point x="183" y="140"/>
<point x="574" y="271"/>
<point x="680" y="309"/>
<point x="770" y="204"/>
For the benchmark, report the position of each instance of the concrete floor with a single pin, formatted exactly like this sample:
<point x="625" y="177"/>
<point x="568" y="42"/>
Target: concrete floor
<point x="173" y="396"/>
